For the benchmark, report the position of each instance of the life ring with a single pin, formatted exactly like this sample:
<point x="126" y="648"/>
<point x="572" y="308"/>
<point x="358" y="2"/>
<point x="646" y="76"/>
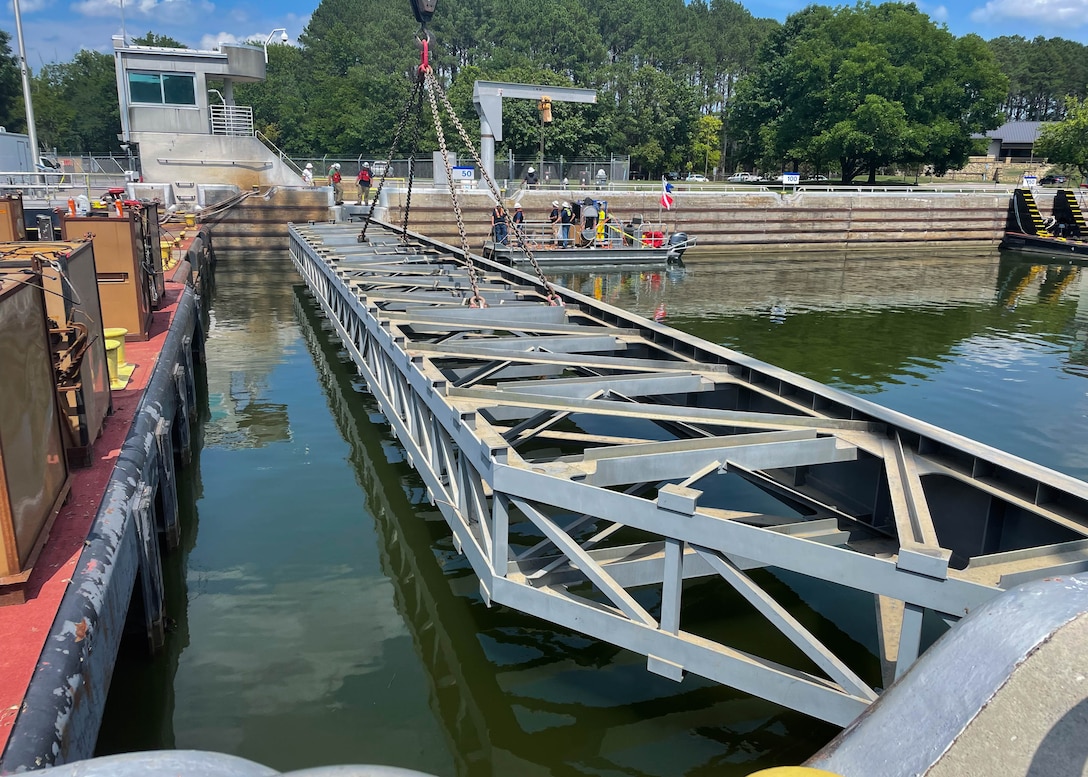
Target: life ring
<point x="653" y="239"/>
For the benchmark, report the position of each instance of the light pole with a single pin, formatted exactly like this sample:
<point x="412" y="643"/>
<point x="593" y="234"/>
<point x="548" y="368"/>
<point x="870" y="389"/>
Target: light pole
<point x="283" y="39"/>
<point x="31" y="131"/>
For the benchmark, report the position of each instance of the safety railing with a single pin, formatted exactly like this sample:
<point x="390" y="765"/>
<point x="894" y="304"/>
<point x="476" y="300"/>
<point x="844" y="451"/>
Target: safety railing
<point x="276" y="150"/>
<point x="611" y="233"/>
<point x="59" y="185"/>
<point x="234" y="120"/>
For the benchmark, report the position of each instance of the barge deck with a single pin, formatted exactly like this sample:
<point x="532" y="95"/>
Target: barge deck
<point x="58" y="647"/>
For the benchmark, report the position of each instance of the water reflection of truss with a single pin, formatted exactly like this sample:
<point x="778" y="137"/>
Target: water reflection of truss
<point x="518" y="695"/>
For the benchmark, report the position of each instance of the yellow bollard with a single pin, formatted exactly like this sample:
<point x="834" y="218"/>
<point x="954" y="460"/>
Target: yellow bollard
<point x="190" y="219"/>
<point x="111" y="363"/>
<point x="120" y="369"/>
<point x="164" y="250"/>
<point x="117" y="333"/>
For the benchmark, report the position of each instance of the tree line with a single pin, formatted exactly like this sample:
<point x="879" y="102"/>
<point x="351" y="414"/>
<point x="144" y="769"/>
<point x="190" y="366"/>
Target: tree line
<point x="680" y="86"/>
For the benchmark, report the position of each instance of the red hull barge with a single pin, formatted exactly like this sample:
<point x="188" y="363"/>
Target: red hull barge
<point x="58" y="648"/>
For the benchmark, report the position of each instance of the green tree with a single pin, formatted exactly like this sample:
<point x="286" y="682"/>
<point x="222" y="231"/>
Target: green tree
<point x="1066" y="142"/>
<point x="12" y="110"/>
<point x="75" y="104"/>
<point x="278" y="102"/>
<point x="161" y="41"/>
<point x="706" y="148"/>
<point x="1041" y="73"/>
<point x="868" y="85"/>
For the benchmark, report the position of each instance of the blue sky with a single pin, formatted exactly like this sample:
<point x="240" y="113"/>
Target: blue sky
<point x="54" y="30"/>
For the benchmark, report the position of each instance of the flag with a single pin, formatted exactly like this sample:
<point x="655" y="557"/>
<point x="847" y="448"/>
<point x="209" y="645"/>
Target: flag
<point x="666" y="194"/>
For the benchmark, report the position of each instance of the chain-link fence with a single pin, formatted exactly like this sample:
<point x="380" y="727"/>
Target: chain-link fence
<point x="561" y="172"/>
<point x="509" y="171"/>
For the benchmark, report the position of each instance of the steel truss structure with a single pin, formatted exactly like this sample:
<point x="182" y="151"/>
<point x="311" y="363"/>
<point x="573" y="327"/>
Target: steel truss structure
<point x="589" y="462"/>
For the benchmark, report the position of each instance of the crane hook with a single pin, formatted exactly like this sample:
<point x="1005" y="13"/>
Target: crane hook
<point x="425" y="44"/>
<point x="423" y="10"/>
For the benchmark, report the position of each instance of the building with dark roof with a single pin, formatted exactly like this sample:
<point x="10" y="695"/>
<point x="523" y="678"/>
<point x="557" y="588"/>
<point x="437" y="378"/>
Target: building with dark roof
<point x="1013" y="141"/>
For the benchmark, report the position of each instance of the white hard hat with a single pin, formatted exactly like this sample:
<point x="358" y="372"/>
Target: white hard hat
<point x="310" y="164"/>
<point x="566" y="204"/>
<point x="517" y="204"/>
<point x="336" y="165"/>
<point x="555" y="203"/>
<point x="531" y="169"/>
<point x="366" y="165"/>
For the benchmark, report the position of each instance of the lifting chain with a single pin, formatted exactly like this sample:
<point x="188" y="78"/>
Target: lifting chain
<point x="476" y="300"/>
<point x="416" y="100"/>
<point x="551" y="295"/>
<point x="418" y="95"/>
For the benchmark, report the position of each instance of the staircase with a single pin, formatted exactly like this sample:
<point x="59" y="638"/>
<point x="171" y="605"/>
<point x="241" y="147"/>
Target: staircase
<point x="1024" y="216"/>
<point x="1068" y="211"/>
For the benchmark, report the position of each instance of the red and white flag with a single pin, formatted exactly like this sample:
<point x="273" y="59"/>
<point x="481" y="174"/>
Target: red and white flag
<point x="666" y="194"/>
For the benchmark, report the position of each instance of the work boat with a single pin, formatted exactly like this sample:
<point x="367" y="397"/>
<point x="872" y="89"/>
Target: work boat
<point x="637" y="242"/>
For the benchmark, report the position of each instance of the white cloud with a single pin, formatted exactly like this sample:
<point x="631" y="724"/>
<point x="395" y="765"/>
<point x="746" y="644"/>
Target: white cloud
<point x="97" y="7"/>
<point x="1053" y="13"/>
<point x="160" y="11"/>
<point x="939" y="14"/>
<point x="29" y="6"/>
<point x="212" y="41"/>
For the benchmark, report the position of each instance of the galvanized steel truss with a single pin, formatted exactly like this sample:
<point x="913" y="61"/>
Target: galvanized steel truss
<point x="588" y="462"/>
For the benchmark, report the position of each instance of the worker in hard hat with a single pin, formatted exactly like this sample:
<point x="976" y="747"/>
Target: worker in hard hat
<point x="337" y="182"/>
<point x="530" y="178"/>
<point x="363" y="182"/>
<point x="308" y="174"/>
<point x="518" y="220"/>
<point x="566" y="218"/>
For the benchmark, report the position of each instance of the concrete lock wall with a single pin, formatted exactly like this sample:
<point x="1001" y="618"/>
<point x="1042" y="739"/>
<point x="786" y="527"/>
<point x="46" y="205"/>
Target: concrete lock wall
<point x="748" y="220"/>
<point x="229" y="159"/>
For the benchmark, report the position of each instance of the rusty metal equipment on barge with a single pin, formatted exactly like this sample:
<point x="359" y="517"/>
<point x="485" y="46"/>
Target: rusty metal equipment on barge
<point x="87" y="502"/>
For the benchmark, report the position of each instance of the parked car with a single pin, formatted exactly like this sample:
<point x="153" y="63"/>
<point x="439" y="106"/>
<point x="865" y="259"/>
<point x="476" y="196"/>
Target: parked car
<point x="818" y="178"/>
<point x="672" y="175"/>
<point x="743" y="178"/>
<point x="696" y="177"/>
<point x="1053" y="179"/>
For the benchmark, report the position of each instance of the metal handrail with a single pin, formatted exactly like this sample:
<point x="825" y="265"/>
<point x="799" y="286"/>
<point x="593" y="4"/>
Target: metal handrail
<point x="58" y="185"/>
<point x="234" y="120"/>
<point x="273" y="147"/>
<point x="544" y="234"/>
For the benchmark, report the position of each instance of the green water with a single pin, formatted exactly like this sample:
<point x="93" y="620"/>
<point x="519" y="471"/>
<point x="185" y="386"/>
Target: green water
<point x="322" y="615"/>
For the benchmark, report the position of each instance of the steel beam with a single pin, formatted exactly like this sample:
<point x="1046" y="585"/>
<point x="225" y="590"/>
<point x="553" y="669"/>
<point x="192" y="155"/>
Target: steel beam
<point x="473" y="395"/>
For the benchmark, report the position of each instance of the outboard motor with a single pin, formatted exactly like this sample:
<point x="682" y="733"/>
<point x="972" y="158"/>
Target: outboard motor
<point x="45" y="227"/>
<point x="678" y="243"/>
